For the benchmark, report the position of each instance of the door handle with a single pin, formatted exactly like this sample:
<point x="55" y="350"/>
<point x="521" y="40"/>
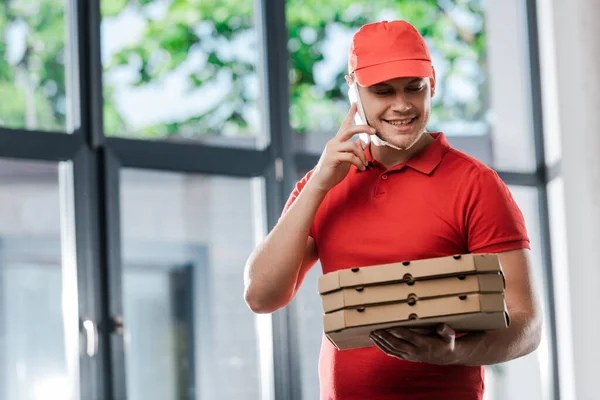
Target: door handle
<point x="91" y="337"/>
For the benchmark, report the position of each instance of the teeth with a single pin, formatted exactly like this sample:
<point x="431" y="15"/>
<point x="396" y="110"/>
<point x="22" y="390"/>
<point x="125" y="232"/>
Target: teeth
<point x="401" y="123"/>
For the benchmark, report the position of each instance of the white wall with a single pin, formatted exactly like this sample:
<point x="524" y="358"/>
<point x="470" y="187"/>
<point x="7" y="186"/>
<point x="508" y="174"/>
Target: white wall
<point x="577" y="96"/>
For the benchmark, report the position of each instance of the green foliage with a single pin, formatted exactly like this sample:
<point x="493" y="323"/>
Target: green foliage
<point x="12" y="110"/>
<point x="212" y="30"/>
<point x="112" y="8"/>
<point x="434" y="22"/>
<point x="209" y="27"/>
<point x="41" y="62"/>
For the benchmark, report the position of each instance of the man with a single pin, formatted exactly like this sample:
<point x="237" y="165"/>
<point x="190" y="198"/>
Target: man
<point x="411" y="199"/>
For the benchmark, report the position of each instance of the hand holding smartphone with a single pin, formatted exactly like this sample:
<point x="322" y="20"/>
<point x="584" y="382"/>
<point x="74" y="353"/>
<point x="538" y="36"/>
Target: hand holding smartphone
<point x="361" y="119"/>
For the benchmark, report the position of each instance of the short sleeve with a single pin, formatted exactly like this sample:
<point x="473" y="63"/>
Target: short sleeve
<point x="294" y="195"/>
<point x="494" y="221"/>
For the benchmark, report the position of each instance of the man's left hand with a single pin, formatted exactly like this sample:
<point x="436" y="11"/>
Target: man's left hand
<point x="417" y="345"/>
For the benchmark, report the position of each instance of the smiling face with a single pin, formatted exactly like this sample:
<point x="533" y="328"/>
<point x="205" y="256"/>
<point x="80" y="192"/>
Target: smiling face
<point x="399" y="109"/>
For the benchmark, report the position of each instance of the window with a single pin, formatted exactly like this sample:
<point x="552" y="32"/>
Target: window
<point x="178" y="70"/>
<point x="482" y="100"/>
<point x="188" y="330"/>
<point x="165" y="222"/>
<point x="309" y="311"/>
<point x="32" y="65"/>
<point x="558" y="232"/>
<point x="38" y="301"/>
<point x="526" y="377"/>
<point x="319" y="42"/>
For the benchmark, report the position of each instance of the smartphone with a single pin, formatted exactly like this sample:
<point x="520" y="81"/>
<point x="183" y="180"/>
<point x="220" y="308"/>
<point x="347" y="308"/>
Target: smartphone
<point x="359" y="118"/>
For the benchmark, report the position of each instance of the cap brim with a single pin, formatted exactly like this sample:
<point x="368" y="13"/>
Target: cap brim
<point x="369" y="76"/>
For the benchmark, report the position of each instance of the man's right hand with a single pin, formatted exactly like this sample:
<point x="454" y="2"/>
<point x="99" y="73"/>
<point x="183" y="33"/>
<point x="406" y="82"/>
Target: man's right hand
<point x="340" y="153"/>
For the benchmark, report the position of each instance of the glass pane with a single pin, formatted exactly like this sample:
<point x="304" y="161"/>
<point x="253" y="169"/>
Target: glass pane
<point x="180" y="70"/>
<point x="485" y="110"/>
<point x="32" y="65"/>
<point x="36" y="329"/>
<point x="548" y="72"/>
<point x="189" y="333"/>
<point x="560" y="260"/>
<point x="319" y="40"/>
<point x="510" y="86"/>
<point x="526" y="377"/>
<point x="309" y="311"/>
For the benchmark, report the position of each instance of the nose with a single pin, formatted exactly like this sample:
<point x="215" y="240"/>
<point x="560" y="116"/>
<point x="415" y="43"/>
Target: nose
<point x="401" y="103"/>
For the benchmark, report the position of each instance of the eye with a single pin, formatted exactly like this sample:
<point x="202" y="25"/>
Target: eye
<point x="415" y="89"/>
<point x="382" y="92"/>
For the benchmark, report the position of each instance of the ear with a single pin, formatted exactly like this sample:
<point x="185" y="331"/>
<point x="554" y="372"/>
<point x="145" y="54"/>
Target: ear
<point x="349" y="79"/>
<point x="432" y="81"/>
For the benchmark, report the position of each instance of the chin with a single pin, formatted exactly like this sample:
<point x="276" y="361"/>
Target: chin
<point x="405" y="142"/>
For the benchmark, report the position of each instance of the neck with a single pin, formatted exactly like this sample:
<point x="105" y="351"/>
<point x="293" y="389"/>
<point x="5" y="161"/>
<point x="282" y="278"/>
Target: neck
<point x="390" y="157"/>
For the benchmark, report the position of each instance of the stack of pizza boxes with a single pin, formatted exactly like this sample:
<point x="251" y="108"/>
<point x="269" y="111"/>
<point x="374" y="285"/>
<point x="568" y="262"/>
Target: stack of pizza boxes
<point x="463" y="291"/>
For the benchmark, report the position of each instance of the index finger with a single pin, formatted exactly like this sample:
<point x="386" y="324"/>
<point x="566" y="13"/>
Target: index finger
<point x="346" y="133"/>
<point x="349" y="117"/>
<point x="347" y="129"/>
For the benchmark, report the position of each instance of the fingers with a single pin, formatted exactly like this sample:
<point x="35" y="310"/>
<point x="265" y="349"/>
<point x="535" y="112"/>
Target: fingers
<point x="354" y="148"/>
<point x="353" y="159"/>
<point x="393" y="341"/>
<point x="392" y="345"/>
<point x="346" y="133"/>
<point x="387" y="349"/>
<point x="403" y="335"/>
<point x="347" y="129"/>
<point x="408" y="345"/>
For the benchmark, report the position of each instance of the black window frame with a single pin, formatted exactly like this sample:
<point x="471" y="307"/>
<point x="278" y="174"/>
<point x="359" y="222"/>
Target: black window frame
<point x="97" y="161"/>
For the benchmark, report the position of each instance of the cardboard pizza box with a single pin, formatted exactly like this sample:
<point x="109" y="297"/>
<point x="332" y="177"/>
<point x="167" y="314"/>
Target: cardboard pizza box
<point x="408" y="271"/>
<point x="350" y="328"/>
<point x="411" y="292"/>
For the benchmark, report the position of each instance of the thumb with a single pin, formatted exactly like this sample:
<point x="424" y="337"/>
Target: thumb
<point x="446" y="333"/>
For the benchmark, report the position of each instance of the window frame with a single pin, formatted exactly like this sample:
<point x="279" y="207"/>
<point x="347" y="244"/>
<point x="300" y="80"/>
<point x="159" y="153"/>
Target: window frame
<point x="97" y="161"/>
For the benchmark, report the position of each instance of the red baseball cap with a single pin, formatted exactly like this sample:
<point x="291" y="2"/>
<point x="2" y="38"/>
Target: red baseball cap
<point x="386" y="50"/>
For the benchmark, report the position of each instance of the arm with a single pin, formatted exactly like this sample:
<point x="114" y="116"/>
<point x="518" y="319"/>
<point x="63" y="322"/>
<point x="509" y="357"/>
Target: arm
<point x="276" y="268"/>
<point x="524" y="333"/>
<point x="493" y="215"/>
<point x="482" y="348"/>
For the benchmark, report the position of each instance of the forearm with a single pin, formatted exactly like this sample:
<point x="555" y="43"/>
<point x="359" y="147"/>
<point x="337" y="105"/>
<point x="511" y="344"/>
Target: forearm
<point x="272" y="269"/>
<point x="498" y="346"/>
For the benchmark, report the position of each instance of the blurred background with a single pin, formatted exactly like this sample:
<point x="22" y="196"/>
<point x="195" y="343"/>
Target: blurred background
<point x="146" y="147"/>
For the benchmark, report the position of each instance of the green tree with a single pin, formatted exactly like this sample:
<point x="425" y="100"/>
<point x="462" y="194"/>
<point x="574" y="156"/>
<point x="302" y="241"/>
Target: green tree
<point x="221" y="34"/>
<point x="209" y="28"/>
<point x="452" y="42"/>
<point x="315" y="106"/>
<point x="32" y="79"/>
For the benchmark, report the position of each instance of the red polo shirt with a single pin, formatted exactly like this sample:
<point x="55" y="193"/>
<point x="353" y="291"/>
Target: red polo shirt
<point x="440" y="202"/>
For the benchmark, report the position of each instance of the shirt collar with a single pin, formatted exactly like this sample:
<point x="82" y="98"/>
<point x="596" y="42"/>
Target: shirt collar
<point x="426" y="160"/>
